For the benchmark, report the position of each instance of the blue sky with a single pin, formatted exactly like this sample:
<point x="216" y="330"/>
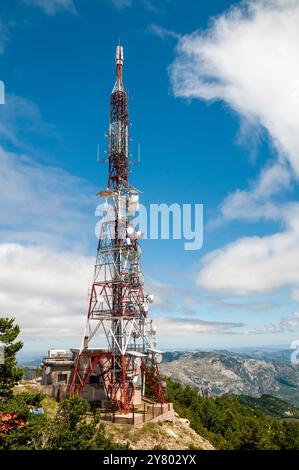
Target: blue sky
<point x="213" y="103"/>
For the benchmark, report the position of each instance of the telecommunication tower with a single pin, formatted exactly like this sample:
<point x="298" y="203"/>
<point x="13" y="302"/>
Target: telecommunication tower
<point x="118" y="304"/>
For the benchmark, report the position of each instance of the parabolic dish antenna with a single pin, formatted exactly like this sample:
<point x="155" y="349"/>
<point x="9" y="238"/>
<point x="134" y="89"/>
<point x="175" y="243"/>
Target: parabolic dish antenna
<point x="158" y="358"/>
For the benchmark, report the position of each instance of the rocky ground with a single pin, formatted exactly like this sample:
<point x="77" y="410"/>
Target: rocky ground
<point x="166" y="435"/>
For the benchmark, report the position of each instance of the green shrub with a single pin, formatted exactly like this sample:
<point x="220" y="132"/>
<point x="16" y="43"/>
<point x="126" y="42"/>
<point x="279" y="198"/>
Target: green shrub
<point x="229" y="424"/>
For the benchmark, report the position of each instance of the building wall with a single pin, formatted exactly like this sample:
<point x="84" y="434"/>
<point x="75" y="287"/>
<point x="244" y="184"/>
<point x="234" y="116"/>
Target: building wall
<point x="58" y="392"/>
<point x="58" y="374"/>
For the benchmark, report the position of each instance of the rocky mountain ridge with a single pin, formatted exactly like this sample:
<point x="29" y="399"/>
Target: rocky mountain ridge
<point x="219" y="372"/>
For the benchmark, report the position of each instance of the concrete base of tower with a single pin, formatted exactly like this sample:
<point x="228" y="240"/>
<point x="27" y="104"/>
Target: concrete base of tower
<point x="96" y="394"/>
<point x="145" y="413"/>
<point x="129" y="419"/>
<point x="157" y="409"/>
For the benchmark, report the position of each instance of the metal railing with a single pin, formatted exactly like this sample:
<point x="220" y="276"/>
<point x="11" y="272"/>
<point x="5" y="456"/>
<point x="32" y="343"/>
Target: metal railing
<point x="148" y="413"/>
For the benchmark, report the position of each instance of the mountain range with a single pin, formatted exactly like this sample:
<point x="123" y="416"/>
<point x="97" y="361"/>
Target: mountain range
<point x="221" y="372"/>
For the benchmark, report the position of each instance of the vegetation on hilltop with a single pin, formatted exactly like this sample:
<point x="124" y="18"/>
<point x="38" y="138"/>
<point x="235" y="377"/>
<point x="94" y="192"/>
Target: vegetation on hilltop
<point x="72" y="428"/>
<point x="68" y="428"/>
<point x="270" y="406"/>
<point x="229" y="424"/>
<point x="10" y="374"/>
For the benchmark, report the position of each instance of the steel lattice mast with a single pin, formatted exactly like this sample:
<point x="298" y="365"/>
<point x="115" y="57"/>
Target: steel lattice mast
<point x="118" y="305"/>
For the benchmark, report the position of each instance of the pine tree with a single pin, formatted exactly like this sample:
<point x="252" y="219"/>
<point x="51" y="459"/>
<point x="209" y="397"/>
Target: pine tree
<point x="10" y="374"/>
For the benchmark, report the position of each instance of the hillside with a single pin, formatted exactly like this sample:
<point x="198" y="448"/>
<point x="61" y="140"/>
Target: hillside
<point x="174" y="434"/>
<point x="231" y="425"/>
<point x="204" y="423"/>
<point x="270" y="406"/>
<point x="218" y="373"/>
<point x="281" y="355"/>
<point x="166" y="435"/>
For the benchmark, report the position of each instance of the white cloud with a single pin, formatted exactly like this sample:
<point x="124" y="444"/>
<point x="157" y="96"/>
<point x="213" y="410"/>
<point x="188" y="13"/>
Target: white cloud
<point x="161" y="32"/>
<point x="286" y="324"/>
<point x="248" y="58"/>
<point x="45" y="290"/>
<point x="44" y="272"/>
<point x="43" y="204"/>
<point x="51" y="7"/>
<point x="257" y="202"/>
<point x="176" y="326"/>
<point x="19" y="117"/>
<point x="255" y="264"/>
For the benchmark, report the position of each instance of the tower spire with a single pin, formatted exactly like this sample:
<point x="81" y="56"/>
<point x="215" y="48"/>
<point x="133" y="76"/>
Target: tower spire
<point x="119" y="66"/>
<point x="118" y="129"/>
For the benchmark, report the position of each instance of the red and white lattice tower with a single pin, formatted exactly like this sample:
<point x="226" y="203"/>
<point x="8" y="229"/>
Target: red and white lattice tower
<point x="118" y="304"/>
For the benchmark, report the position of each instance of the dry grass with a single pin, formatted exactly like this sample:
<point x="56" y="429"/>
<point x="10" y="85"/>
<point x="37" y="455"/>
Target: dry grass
<point x="162" y="434"/>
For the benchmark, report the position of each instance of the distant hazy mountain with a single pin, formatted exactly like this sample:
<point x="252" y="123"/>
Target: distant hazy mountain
<point x="30" y="361"/>
<point x="221" y="372"/>
<point x="282" y="355"/>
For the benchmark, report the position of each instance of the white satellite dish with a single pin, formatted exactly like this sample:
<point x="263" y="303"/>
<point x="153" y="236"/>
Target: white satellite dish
<point x="130" y="231"/>
<point x="48" y="370"/>
<point x="158" y="358"/>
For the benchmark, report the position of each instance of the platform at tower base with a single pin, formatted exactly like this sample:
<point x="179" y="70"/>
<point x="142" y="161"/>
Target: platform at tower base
<point x="142" y="414"/>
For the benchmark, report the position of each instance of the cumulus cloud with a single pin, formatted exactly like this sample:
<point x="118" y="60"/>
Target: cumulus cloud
<point x="286" y="324"/>
<point x="255" y="264"/>
<point x="51" y="7"/>
<point x="43" y="204"/>
<point x="181" y="326"/>
<point x="44" y="273"/>
<point x="248" y="59"/>
<point x="19" y="117"/>
<point x="45" y="290"/>
<point x="258" y="202"/>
